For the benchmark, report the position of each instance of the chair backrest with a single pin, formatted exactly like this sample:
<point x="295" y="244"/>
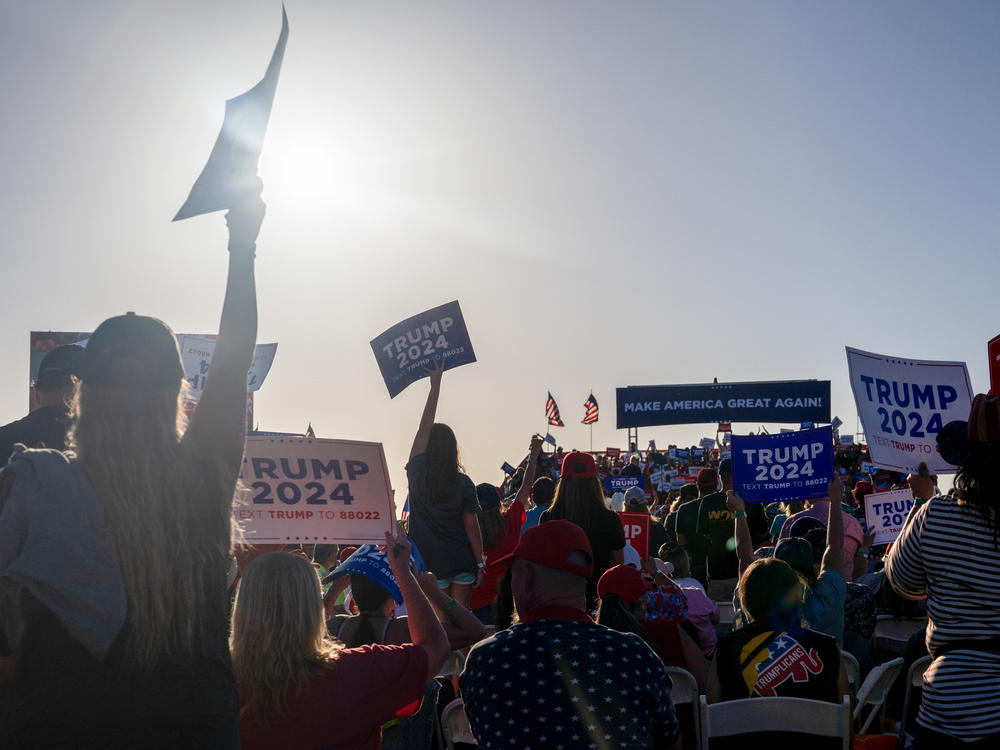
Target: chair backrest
<point x="727" y="612"/>
<point x="852" y="669"/>
<point x="889" y="628"/>
<point x="874" y="690"/>
<point x="727" y="616"/>
<point x="798" y="715"/>
<point x="685" y="689"/>
<point x="455" y="725"/>
<point x="914" y="680"/>
<point x="684" y="696"/>
<point x="453" y="666"/>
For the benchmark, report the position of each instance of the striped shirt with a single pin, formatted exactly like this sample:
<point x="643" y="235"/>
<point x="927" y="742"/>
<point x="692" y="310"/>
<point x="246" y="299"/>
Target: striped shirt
<point x="947" y="554"/>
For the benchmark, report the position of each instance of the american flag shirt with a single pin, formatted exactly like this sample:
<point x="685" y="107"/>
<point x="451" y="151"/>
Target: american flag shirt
<point x="559" y="681"/>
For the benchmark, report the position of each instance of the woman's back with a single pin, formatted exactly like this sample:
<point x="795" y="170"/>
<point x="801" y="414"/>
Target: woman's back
<point x="948" y="553"/>
<point x="344" y="704"/>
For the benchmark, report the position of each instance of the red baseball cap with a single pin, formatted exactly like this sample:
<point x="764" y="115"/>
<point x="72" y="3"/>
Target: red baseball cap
<point x="708" y="478"/>
<point x="578" y="465"/>
<point x="550" y="544"/>
<point x="862" y="487"/>
<point x="625" y="581"/>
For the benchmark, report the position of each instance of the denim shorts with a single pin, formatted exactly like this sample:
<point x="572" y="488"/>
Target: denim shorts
<point x="466" y="579"/>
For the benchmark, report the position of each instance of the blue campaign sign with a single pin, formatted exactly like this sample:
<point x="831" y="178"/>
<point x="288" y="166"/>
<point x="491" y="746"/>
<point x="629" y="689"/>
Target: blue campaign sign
<point x="807" y="425"/>
<point x="786" y="466"/>
<point x="679" y="454"/>
<point x="620" y="484"/>
<point x="697" y="453"/>
<point x="508" y="469"/>
<point x="370" y="561"/>
<point x="792" y="401"/>
<point x="405" y="351"/>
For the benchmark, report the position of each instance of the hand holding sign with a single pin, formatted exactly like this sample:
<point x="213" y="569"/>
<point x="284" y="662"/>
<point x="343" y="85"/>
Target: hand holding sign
<point x="435" y="372"/>
<point x="734" y="502"/>
<point x="922" y="483"/>
<point x="244" y="220"/>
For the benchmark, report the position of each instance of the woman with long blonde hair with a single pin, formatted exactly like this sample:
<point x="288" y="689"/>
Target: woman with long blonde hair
<point x="300" y="688"/>
<point x="113" y="595"/>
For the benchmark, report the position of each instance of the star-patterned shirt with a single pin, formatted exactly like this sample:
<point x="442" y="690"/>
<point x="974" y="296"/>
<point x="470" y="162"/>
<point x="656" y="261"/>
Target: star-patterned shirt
<point x="559" y="681"/>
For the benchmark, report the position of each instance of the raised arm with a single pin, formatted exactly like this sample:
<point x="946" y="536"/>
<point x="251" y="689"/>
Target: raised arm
<point x="461" y="626"/>
<point x="744" y="545"/>
<point x="430" y="409"/>
<point x="833" y="558"/>
<point x="219" y="423"/>
<point x="524" y="491"/>
<point x="425" y="630"/>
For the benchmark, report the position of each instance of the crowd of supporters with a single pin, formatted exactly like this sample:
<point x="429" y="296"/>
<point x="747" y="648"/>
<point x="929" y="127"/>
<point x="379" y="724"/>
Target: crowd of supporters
<point x="127" y="620"/>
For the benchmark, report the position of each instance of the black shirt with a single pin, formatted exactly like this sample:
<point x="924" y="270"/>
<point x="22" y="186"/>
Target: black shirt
<point x="794" y="663"/>
<point x="717" y="529"/>
<point x="697" y="548"/>
<point x="45" y="427"/>
<point x="606" y="536"/>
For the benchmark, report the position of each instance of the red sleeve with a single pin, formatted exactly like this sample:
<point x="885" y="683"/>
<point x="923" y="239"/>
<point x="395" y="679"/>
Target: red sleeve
<point x="515" y="518"/>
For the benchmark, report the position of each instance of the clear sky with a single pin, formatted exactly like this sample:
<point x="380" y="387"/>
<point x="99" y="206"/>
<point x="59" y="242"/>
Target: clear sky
<point x="618" y="194"/>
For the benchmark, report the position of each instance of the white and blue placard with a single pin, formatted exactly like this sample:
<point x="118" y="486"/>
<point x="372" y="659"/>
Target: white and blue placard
<point x="904" y="403"/>
<point x="679" y="454"/>
<point x="508" y="469"/>
<point x="807" y="425"/>
<point x="789" y="466"/>
<point x="314" y="490"/>
<point x="370" y="561"/>
<point x="867" y="467"/>
<point x="676" y="483"/>
<point x="697" y="453"/>
<point x="620" y="484"/>
<point x="886" y="512"/>
<point x="837" y="422"/>
<point x="847" y="439"/>
<point x="407" y="350"/>
<point x="708" y="443"/>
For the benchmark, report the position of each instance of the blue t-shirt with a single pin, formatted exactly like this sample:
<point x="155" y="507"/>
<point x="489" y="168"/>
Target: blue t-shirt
<point x="531" y="518"/>
<point x="824" y="605"/>
<point x="438" y="528"/>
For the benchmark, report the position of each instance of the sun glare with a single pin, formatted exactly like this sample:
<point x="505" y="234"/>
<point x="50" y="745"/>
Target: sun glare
<point x="314" y="174"/>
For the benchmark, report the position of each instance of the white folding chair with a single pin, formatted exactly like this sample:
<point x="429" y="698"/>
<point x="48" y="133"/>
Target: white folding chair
<point x="853" y="671"/>
<point x="914" y="679"/>
<point x="685" y="690"/>
<point x="893" y="633"/>
<point x="798" y="715"/>
<point x="453" y="666"/>
<point x="873" y="691"/>
<point x="455" y="725"/>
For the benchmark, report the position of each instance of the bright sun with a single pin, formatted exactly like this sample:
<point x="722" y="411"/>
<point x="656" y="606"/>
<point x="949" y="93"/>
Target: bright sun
<point x="314" y="174"/>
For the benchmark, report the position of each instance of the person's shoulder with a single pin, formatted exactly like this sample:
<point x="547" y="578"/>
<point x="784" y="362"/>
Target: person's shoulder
<point x="832" y="579"/>
<point x="820" y="640"/>
<point x="417" y="463"/>
<point x="465" y="482"/>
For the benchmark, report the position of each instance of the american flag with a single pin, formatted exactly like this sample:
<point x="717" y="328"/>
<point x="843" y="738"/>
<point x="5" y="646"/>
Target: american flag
<point x="552" y="412"/>
<point x="310" y="433"/>
<point x="591" y="406"/>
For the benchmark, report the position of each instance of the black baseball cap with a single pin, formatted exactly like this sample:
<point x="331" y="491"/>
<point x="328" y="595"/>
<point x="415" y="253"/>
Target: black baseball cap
<point x="58" y="366"/>
<point x="132" y="351"/>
